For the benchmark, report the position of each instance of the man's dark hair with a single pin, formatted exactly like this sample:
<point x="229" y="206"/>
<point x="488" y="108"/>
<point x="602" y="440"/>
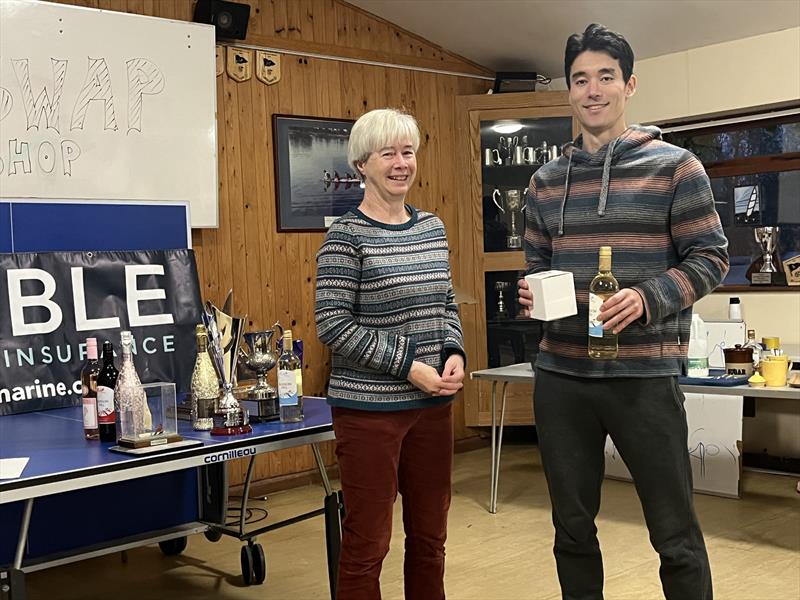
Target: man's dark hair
<point x="599" y="38"/>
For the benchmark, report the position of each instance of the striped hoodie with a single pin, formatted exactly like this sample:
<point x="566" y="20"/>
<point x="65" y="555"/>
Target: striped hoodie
<point x="385" y="299"/>
<point x="652" y="203"/>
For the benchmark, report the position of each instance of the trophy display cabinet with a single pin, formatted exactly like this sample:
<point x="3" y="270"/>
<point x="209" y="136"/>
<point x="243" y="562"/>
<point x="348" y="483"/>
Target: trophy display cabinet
<point x="505" y="139"/>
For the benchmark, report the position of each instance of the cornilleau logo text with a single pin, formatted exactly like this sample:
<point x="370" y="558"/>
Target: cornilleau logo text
<point x="230" y="455"/>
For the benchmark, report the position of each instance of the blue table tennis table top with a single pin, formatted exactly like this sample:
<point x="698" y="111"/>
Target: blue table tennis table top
<point x="61" y="459"/>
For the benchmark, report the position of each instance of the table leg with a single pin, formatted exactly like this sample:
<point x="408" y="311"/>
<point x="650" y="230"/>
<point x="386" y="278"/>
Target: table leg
<point x="496" y="450"/>
<point x="334" y="508"/>
<point x="494" y="437"/>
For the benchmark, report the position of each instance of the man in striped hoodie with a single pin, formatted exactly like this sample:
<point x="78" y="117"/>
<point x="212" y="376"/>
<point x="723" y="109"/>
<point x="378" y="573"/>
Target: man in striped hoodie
<point x="650" y="201"/>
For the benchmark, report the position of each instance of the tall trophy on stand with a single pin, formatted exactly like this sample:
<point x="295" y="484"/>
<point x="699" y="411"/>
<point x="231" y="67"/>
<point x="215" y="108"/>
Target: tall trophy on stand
<point x="510" y="201"/>
<point x="768" y="273"/>
<point x="261" y="356"/>
<point x="224" y="337"/>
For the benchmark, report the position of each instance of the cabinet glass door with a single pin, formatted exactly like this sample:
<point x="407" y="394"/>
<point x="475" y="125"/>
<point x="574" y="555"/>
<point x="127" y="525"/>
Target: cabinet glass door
<point x="512" y="151"/>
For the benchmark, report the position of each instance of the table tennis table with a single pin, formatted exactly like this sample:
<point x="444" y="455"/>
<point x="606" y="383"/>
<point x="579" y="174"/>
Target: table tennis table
<point x="61" y="462"/>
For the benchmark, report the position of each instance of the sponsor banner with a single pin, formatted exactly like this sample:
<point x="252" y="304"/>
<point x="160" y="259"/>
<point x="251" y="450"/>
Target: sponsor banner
<point x="52" y="301"/>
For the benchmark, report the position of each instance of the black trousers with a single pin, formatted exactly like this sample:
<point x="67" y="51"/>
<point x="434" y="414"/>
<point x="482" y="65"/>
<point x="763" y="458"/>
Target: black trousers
<point x="647" y="422"/>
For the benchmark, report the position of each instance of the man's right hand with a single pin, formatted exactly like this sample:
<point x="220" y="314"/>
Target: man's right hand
<point x="426" y="378"/>
<point x="525" y="297"/>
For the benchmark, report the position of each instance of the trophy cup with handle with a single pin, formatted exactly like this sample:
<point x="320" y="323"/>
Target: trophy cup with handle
<point x="510" y="202"/>
<point x="261" y="357"/>
<point x="767" y="237"/>
<point x="224" y="337"/>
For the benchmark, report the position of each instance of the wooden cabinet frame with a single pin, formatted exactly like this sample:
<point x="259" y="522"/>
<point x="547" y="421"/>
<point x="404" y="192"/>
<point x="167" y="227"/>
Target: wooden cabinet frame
<point x="469" y="274"/>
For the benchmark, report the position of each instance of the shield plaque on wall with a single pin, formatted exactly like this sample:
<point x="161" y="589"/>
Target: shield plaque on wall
<point x="220" y="60"/>
<point x="240" y="61"/>
<point x="268" y="67"/>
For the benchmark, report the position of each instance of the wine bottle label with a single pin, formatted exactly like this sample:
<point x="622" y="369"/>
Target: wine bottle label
<point x="287" y="387"/>
<point x="90" y="413"/>
<point x="105" y="404"/>
<point x="298" y="375"/>
<point x="595" y="326"/>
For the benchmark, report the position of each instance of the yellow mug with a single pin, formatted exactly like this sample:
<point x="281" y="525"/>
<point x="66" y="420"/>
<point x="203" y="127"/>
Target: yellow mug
<point x="775" y="369"/>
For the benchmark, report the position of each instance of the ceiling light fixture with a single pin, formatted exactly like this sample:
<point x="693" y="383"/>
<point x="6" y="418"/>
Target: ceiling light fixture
<point x="507" y="126"/>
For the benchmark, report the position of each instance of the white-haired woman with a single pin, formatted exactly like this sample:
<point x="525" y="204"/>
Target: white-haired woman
<point x="385" y="307"/>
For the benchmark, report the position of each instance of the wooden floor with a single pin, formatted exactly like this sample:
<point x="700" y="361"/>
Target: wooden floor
<point x="754" y="545"/>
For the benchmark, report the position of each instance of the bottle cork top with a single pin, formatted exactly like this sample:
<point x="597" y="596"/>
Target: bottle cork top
<point x="605" y="250"/>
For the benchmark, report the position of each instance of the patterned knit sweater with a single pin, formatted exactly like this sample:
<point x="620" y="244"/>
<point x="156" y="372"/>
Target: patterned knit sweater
<point x="652" y="203"/>
<point x="384" y="299"/>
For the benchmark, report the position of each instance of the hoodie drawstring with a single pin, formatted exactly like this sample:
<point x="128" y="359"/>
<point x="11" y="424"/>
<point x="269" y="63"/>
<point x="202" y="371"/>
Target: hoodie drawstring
<point x="601" y="206"/>
<point x="566" y="193"/>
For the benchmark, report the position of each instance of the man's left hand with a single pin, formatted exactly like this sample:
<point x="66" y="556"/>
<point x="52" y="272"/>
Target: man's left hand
<point x="453" y="369"/>
<point x="622" y="309"/>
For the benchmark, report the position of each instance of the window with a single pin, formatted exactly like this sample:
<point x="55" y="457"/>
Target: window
<point x="754" y="168"/>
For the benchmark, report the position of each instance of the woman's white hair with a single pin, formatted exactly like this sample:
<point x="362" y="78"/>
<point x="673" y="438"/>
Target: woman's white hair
<point x="377" y="129"/>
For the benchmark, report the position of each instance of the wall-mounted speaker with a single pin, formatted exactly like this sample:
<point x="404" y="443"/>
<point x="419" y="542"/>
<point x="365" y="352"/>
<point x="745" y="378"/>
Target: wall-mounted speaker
<point x="229" y="18"/>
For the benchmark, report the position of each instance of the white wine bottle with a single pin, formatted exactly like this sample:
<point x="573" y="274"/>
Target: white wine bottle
<point x="290" y="397"/>
<point x="602" y="342"/>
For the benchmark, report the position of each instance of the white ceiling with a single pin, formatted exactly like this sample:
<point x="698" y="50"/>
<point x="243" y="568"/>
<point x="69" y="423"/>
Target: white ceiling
<point x="529" y="35"/>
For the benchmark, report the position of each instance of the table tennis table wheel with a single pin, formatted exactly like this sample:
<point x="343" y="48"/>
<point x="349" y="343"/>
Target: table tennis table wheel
<point x="247" y="564"/>
<point x="259" y="564"/>
<point x="254" y="564"/>
<point x="174" y="546"/>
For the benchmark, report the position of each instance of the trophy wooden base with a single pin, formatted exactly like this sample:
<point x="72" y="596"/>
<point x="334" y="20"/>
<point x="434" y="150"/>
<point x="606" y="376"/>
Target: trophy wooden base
<point x="157" y="440"/>
<point x="231" y="429"/>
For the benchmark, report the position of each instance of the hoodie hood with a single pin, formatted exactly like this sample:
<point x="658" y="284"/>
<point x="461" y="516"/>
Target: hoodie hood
<point x="633" y="137"/>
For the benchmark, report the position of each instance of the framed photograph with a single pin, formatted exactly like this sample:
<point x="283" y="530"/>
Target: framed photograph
<point x="313" y="182"/>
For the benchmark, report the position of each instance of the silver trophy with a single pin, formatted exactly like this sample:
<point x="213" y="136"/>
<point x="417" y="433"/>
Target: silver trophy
<point x="224" y="337"/>
<point x="261" y="356"/>
<point x="501" y="287"/>
<point x="510" y="201"/>
<point x="767" y="237"/>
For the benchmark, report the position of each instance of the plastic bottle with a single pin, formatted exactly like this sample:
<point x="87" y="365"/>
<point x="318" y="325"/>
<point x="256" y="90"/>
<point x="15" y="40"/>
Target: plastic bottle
<point x="698" y="348"/>
<point x="735" y="309"/>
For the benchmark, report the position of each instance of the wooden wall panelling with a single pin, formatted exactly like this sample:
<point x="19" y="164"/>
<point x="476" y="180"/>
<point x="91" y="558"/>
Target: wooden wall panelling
<point x="270" y="271"/>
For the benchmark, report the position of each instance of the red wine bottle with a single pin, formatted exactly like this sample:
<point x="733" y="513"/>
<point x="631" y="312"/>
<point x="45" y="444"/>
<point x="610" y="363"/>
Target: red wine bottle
<point x="89" y="390"/>
<point x="106" y="380"/>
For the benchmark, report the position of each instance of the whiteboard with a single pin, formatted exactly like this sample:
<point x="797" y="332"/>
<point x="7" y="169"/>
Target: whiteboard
<point x="105" y="105"/>
<point x="715" y="433"/>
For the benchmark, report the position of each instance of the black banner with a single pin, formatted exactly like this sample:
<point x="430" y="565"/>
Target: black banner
<point x="51" y="302"/>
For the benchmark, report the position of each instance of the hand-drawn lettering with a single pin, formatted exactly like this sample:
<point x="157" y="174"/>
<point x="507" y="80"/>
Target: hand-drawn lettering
<point x="144" y="77"/>
<point x="97" y="86"/>
<point x="42" y="105"/>
<point x="6" y="102"/>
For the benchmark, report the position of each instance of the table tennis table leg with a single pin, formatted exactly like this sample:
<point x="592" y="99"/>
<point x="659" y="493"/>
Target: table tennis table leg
<point x="12" y="582"/>
<point x="334" y="510"/>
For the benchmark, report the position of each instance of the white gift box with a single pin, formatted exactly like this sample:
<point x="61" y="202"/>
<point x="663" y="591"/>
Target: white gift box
<point x="553" y="295"/>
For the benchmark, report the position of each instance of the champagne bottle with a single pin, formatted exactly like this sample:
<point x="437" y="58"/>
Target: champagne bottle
<point x="89" y="390"/>
<point x="602" y="342"/>
<point x="290" y="397"/>
<point x="106" y="381"/>
<point x="129" y="396"/>
<point x="205" y="385"/>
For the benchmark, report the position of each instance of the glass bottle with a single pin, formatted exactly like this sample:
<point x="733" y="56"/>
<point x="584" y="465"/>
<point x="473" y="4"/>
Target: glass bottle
<point x="106" y="381"/>
<point x="205" y="384"/>
<point x="89" y="390"/>
<point x="602" y="342"/>
<point x="290" y="397"/>
<point x="129" y="396"/>
<point x="752" y="343"/>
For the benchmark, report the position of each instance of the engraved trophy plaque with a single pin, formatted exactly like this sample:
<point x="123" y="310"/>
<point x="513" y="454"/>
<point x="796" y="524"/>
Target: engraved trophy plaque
<point x="261" y="357"/>
<point x="767" y="237"/>
<point x="224" y="337"/>
<point x="510" y="201"/>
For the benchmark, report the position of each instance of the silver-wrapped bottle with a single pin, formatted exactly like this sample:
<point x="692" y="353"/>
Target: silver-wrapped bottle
<point x="129" y="396"/>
